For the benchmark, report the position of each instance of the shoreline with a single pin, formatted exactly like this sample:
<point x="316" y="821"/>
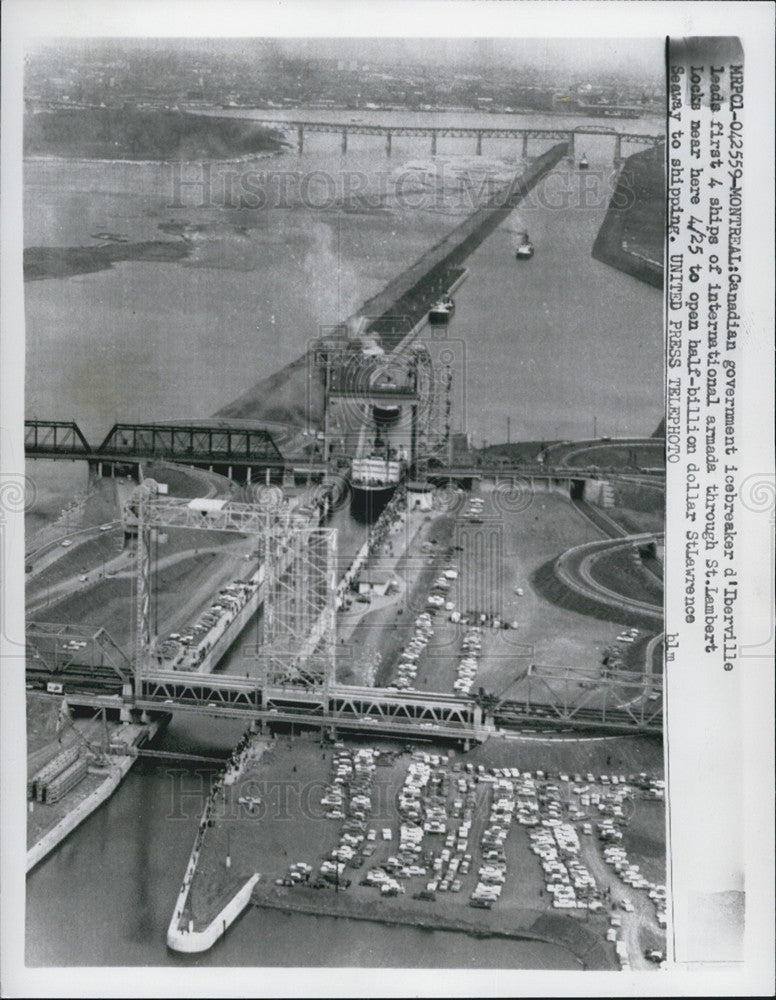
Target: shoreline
<point x="341" y="907"/>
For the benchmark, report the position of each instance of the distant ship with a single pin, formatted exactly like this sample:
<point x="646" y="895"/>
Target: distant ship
<point x="524" y="248"/>
<point x="441" y="311"/>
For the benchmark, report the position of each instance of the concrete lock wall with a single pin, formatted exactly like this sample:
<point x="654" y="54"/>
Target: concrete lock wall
<point x="598" y="492"/>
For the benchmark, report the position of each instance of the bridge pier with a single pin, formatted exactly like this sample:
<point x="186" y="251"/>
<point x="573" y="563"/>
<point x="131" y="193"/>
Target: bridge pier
<point x="617" y="152"/>
<point x="479" y="144"/>
<point x="125" y="712"/>
<point x="525" y="145"/>
<point x="388" y="138"/>
<point x="433" y="142"/>
<point x="94" y="473"/>
<point x="344" y="140"/>
<point x="300" y="139"/>
<point x="570" y="151"/>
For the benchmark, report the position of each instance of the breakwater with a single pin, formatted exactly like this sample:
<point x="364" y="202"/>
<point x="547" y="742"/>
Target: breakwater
<point x="286" y="395"/>
<point x="410" y="293"/>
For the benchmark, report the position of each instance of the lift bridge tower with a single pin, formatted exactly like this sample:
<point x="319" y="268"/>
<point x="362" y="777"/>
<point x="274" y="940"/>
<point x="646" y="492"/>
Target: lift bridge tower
<point x="298" y="590"/>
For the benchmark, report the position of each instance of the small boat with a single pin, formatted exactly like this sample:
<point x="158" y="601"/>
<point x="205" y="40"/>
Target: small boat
<point x="524" y="248"/>
<point x="442" y="310"/>
<point x="583" y="164"/>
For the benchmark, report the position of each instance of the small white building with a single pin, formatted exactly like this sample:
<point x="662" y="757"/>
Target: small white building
<point x="419" y="495"/>
<point x="375" y="583"/>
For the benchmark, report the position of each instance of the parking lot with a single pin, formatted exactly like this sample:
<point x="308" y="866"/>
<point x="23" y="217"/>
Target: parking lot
<point x="432" y="830"/>
<point x="479" y="621"/>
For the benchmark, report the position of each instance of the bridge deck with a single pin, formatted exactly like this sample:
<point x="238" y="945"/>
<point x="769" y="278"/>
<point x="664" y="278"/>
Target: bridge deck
<point x="380" y="712"/>
<point x="450" y="131"/>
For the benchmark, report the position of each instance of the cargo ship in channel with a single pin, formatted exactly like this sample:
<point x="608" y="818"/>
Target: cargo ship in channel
<point x="374" y="474"/>
<point x="382" y="457"/>
<point x="442" y="310"/>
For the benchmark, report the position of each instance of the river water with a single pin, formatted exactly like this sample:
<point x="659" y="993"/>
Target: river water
<point x="553" y="344"/>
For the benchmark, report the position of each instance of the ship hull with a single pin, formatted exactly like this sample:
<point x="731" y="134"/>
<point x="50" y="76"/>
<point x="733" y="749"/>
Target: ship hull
<point x="386" y="416"/>
<point x="367" y="503"/>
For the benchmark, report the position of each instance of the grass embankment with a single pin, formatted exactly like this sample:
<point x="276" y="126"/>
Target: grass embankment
<point x="618" y="571"/>
<point x="546" y="583"/>
<point x="628" y="457"/>
<point x="181" y="591"/>
<point x="57" y="484"/>
<point x="638" y="507"/>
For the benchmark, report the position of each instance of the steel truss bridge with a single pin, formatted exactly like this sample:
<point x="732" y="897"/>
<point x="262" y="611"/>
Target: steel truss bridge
<point x="530" y="472"/>
<point x="299" y="588"/>
<point x="624" y="700"/>
<point x="231" y="449"/>
<point x="296" y="683"/>
<point x="216" y="446"/>
<point x="548" y="697"/>
<point x="345" y="129"/>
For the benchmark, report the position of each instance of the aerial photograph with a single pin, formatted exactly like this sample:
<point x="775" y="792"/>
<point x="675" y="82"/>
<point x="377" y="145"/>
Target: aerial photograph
<point x="344" y="411"/>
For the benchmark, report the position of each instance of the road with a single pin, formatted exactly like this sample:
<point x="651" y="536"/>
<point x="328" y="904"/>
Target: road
<point x="573" y="568"/>
<point x="120" y="567"/>
<point x="632" y="923"/>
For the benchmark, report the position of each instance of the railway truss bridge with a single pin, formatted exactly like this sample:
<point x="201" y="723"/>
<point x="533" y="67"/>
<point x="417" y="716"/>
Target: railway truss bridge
<point x="434" y="133"/>
<point x="239" y="452"/>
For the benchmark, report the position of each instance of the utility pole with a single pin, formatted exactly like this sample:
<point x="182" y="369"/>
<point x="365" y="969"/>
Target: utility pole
<point x="595" y="428"/>
<point x="508" y="420"/>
